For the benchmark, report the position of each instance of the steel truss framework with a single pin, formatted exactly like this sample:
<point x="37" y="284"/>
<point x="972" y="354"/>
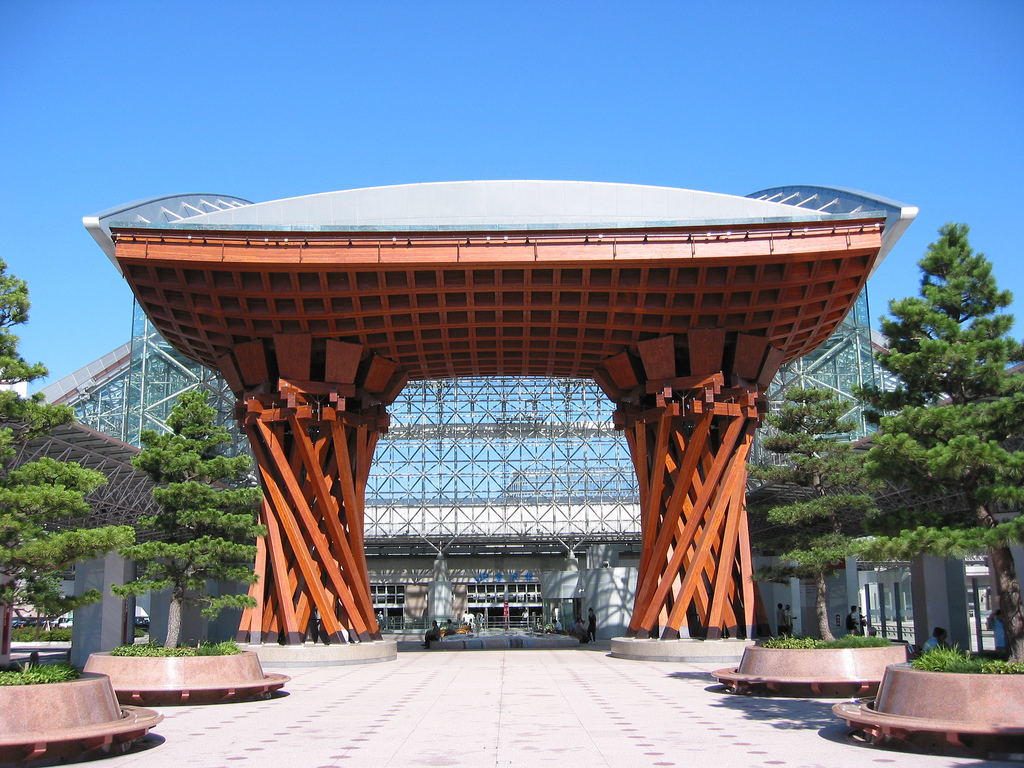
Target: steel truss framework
<point x="125" y="496"/>
<point x="840" y="365"/>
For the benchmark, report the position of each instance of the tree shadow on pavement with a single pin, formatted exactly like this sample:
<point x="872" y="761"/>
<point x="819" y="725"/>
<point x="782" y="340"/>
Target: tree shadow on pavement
<point x="778" y="712"/>
<point x="794" y="713"/>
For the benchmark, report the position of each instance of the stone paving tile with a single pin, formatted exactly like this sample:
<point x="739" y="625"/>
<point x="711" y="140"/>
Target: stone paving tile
<point x="492" y="709"/>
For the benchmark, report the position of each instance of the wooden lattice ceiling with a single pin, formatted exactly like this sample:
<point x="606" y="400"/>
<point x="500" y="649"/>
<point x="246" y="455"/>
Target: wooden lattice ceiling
<point x="444" y="305"/>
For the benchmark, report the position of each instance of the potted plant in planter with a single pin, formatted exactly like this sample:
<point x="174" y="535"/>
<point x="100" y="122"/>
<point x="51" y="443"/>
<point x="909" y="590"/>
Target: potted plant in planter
<point x="206" y="529"/>
<point x="206" y="674"/>
<point x="54" y="713"/>
<point x="803" y="666"/>
<point x="953" y="427"/>
<point x="946" y="701"/>
<point x="813" y="532"/>
<point x="47" y="712"/>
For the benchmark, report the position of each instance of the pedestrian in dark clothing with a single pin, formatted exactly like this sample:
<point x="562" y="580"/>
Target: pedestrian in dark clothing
<point x="591" y="625"/>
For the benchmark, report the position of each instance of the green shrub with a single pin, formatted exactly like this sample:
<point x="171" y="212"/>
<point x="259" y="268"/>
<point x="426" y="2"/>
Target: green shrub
<point x="227" y="648"/>
<point x="154" y="650"/>
<point x="785" y="641"/>
<point x="140" y="632"/>
<point x="28" y="635"/>
<point x="857" y="641"/>
<point x="805" y="643"/>
<point x="960" y="662"/>
<point x="1001" y="667"/>
<point x="38" y="675"/>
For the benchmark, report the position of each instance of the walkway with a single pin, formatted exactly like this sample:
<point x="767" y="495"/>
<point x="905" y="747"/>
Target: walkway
<point x="509" y="708"/>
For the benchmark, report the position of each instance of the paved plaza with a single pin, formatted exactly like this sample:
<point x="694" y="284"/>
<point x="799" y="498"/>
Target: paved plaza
<point x="577" y="707"/>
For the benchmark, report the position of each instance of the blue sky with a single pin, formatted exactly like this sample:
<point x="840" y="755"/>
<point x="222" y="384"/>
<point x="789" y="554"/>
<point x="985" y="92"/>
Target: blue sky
<point x="102" y="103"/>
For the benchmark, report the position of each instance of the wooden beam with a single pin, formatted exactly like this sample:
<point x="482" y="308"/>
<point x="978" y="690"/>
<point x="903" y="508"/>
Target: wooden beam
<point x="342" y="361"/>
<point x="748" y="355"/>
<point x="252" y="362"/>
<point x="706" y="349"/>
<point x="294" y="355"/>
<point x="659" y="357"/>
<point x="652" y="594"/>
<point x="620" y="368"/>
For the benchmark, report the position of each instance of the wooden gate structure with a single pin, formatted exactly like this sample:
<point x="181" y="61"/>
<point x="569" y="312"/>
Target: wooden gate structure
<point x="318" y="328"/>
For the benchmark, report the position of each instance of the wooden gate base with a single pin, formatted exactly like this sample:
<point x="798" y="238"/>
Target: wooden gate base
<point x="689" y="406"/>
<point x="313" y="414"/>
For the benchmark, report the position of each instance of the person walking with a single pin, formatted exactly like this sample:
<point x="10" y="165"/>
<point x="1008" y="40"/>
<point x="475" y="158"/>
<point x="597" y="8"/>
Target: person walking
<point x="591" y="625"/>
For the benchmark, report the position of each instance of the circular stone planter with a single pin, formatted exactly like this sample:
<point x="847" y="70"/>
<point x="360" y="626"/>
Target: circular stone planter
<point x="336" y="654"/>
<point x="156" y="680"/>
<point x="981" y="715"/>
<point x="818" y="672"/>
<point x="680" y="651"/>
<point x="61" y="722"/>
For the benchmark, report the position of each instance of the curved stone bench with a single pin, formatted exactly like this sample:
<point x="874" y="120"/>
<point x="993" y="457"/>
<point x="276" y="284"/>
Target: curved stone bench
<point x="503" y="642"/>
<point x="60" y="722"/>
<point x="818" y="672"/>
<point x="982" y="715"/>
<point x="155" y="680"/>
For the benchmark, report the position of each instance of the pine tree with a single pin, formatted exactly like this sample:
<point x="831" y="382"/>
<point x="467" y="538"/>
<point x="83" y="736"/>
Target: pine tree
<point x="39" y="500"/>
<point x="816" y="530"/>
<point x="957" y="418"/>
<point x="204" y="528"/>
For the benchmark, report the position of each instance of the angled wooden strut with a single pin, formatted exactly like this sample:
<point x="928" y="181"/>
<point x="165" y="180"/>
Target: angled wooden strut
<point x="689" y="406"/>
<point x="313" y="414"/>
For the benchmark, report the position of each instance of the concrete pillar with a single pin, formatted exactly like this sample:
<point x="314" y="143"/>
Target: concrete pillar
<point x="610" y="592"/>
<point x="797" y="609"/>
<point x="774" y="593"/>
<point x="6" y="614"/>
<point x="939" y="590"/>
<point x="225" y="625"/>
<point x="439" y="592"/>
<point x="110" y="622"/>
<point x="602" y="556"/>
<point x="851" y="590"/>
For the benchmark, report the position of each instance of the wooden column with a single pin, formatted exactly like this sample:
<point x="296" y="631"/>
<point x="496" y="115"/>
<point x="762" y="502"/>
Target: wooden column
<point x="689" y="406"/>
<point x="313" y="415"/>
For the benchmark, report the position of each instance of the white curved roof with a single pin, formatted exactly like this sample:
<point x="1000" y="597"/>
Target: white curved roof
<point x="500" y="204"/>
<point x="520" y="205"/>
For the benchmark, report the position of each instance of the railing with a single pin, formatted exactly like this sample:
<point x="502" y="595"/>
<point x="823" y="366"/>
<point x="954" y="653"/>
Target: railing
<point x="402" y="624"/>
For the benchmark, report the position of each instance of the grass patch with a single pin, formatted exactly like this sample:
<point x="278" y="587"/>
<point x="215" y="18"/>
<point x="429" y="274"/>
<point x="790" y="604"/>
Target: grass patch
<point x="153" y="650"/>
<point x="806" y="643"/>
<point x="955" y="661"/>
<point x="40" y="675"/>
